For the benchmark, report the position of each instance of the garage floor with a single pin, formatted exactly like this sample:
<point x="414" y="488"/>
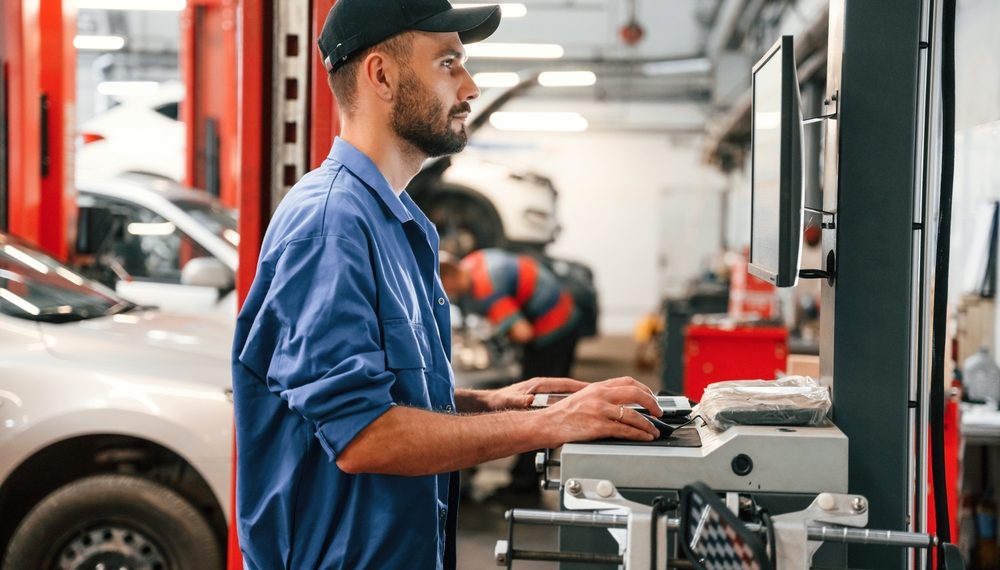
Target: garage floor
<point x="481" y="520"/>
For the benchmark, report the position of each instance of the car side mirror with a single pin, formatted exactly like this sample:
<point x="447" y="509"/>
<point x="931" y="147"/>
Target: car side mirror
<point x="207" y="272"/>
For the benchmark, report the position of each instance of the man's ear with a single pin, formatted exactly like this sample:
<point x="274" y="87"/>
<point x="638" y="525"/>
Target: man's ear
<point x="380" y="74"/>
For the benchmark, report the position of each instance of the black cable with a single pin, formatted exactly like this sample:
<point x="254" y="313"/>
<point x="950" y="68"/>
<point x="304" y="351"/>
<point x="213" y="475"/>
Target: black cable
<point x="814" y="274"/>
<point x="765" y="519"/>
<point x="661" y="506"/>
<point x="942" y="262"/>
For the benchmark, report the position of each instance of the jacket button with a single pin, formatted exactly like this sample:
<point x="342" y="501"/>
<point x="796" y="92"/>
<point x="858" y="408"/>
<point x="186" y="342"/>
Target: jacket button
<point x="441" y="301"/>
<point x="448" y="408"/>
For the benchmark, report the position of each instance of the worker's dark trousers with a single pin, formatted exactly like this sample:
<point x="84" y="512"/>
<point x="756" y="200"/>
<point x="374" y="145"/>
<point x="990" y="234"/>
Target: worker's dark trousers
<point x="554" y="360"/>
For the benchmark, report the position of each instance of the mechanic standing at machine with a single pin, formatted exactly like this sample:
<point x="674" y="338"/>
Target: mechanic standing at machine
<point x="347" y="434"/>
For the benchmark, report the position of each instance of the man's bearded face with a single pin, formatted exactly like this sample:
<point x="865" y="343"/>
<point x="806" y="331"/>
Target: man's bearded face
<point x="419" y="117"/>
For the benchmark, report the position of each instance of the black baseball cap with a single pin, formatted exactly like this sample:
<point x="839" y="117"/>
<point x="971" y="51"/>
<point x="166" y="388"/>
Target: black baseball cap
<point x="353" y="25"/>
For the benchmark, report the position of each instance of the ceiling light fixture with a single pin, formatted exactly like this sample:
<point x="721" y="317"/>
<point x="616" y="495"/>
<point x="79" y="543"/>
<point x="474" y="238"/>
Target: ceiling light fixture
<point x="496" y="79"/>
<point x="127" y="88"/>
<point x="567" y="78"/>
<point x="514" y="51"/>
<point x="99" y="43"/>
<point x="678" y="66"/>
<point x="507" y="9"/>
<point x="539" y="121"/>
<point x="138" y="6"/>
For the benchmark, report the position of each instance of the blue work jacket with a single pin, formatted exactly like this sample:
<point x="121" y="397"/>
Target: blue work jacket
<point x="346" y="318"/>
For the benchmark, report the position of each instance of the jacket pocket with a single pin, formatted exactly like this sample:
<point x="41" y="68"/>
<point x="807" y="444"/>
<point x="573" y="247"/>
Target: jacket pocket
<point x="406" y="344"/>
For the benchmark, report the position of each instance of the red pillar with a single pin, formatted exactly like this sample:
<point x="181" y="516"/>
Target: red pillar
<point x="21" y="62"/>
<point x="254" y="166"/>
<point x="324" y="123"/>
<point x="209" y="69"/>
<point x="42" y="201"/>
<point x="57" y="206"/>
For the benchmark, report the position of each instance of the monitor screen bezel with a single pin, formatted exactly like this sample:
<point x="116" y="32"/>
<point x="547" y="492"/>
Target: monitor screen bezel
<point x="790" y="186"/>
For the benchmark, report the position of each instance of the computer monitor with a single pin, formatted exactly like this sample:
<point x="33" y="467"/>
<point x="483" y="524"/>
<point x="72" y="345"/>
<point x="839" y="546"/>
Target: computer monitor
<point x="776" y="167"/>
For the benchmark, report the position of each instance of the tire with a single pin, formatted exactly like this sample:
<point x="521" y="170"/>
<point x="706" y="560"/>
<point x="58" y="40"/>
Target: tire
<point x="464" y="221"/>
<point x="119" y="521"/>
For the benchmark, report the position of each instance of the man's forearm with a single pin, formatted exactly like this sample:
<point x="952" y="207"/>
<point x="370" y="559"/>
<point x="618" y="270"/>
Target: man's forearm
<point x="411" y="442"/>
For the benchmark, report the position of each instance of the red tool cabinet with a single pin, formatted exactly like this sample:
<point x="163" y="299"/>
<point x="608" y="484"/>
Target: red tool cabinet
<point x="713" y="353"/>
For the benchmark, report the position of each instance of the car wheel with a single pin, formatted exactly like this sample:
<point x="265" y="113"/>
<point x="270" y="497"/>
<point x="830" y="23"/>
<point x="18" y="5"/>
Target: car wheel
<point x="464" y="222"/>
<point x="113" y="521"/>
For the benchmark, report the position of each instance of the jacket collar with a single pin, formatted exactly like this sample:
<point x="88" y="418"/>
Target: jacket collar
<point x="358" y="162"/>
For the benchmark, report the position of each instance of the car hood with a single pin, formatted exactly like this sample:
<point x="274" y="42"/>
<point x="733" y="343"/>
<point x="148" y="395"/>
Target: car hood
<point x="183" y="347"/>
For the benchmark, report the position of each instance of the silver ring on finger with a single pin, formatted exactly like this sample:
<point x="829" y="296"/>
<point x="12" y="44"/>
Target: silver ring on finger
<point x="621" y="412"/>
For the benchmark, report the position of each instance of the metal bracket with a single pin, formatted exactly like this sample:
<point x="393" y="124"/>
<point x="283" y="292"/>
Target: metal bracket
<point x="543" y="460"/>
<point x="791" y="531"/>
<point x="634" y="540"/>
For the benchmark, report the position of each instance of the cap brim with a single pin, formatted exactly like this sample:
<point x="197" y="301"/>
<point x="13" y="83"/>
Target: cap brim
<point x="472" y="24"/>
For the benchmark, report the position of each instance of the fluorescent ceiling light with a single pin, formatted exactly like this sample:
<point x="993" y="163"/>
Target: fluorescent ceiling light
<point x="678" y="66"/>
<point x="507" y="9"/>
<point x="539" y="121"/>
<point x="498" y="79"/>
<point x="99" y="43"/>
<point x="567" y="78"/>
<point x="127" y="88"/>
<point x="514" y="51"/>
<point x="137" y="5"/>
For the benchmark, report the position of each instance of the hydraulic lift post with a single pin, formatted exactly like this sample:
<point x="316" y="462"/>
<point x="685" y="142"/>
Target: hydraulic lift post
<point x="209" y="67"/>
<point x="40" y="123"/>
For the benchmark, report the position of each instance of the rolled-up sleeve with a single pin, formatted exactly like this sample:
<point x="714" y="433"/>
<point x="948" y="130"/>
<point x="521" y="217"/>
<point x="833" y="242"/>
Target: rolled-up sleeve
<point x="318" y="330"/>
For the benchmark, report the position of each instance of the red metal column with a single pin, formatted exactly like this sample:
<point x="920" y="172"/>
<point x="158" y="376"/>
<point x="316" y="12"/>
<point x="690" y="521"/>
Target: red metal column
<point x="209" y="69"/>
<point x="42" y="200"/>
<point x="254" y="164"/>
<point x="21" y="46"/>
<point x="324" y="122"/>
<point x="57" y="208"/>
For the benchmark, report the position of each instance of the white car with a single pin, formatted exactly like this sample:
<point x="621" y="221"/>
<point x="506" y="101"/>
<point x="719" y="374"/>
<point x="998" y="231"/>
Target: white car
<point x="476" y="204"/>
<point x="168" y="246"/>
<point x="116" y="426"/>
<point x="142" y="134"/>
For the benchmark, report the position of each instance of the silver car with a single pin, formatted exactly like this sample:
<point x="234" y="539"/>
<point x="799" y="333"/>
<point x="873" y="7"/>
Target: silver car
<point x="115" y="425"/>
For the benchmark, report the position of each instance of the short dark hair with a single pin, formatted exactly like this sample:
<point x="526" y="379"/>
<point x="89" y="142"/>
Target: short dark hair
<point x="344" y="80"/>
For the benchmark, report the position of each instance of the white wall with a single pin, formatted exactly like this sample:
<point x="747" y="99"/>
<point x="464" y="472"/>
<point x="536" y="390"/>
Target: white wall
<point x="639" y="207"/>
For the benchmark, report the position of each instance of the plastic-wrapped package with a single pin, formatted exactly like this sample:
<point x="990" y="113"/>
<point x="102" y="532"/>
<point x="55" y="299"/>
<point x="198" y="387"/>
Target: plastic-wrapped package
<point x="788" y="401"/>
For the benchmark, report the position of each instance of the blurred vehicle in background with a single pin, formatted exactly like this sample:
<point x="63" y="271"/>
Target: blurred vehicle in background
<point x="477" y="204"/>
<point x="115" y="425"/>
<point x="473" y="202"/>
<point x="141" y="133"/>
<point x="158" y="243"/>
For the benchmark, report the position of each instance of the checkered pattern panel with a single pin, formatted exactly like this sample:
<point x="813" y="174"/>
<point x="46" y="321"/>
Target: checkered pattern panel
<point x="718" y="545"/>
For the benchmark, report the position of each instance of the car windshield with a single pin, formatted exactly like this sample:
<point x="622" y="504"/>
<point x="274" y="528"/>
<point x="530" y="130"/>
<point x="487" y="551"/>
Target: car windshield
<point x="36" y="287"/>
<point x="215" y="218"/>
